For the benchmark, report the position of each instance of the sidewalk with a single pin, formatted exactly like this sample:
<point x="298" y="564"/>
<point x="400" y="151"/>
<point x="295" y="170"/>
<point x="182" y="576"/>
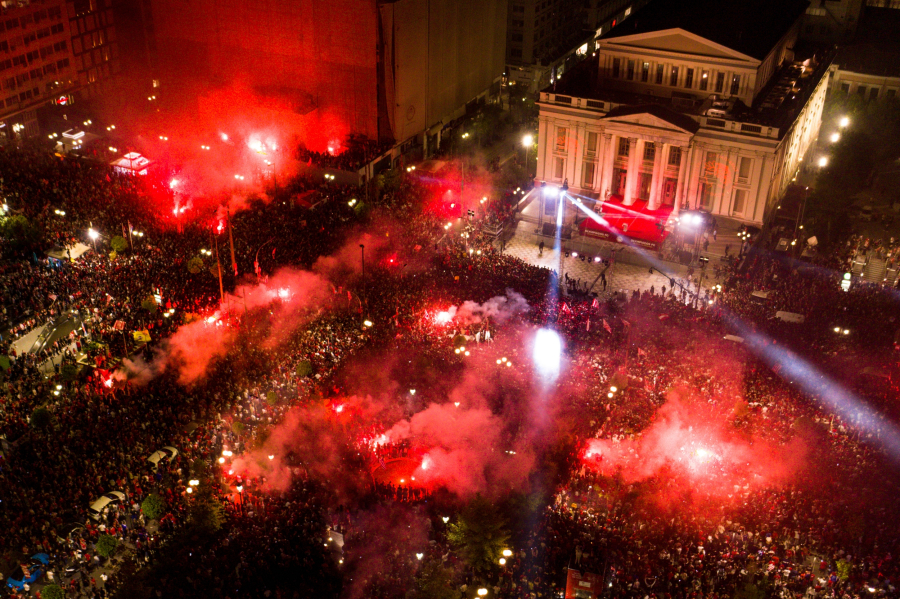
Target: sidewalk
<point x="622" y="275"/>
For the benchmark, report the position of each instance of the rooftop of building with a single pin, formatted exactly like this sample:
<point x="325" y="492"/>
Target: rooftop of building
<point x="875" y="49"/>
<point x="751" y="27"/>
<point x="776" y="106"/>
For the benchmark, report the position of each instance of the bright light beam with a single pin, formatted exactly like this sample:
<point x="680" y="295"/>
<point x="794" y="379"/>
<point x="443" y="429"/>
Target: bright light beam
<point x="547" y="353"/>
<point x="624" y="237"/>
<point x="819" y="385"/>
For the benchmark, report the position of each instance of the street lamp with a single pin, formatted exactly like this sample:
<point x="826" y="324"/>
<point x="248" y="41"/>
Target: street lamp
<point x="823" y="161"/>
<point x="844" y="122"/>
<point x="93" y="235"/>
<point x="835" y="137"/>
<point x="527" y="141"/>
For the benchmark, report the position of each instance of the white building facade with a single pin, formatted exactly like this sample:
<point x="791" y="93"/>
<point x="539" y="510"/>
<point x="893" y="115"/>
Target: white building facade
<point x="680" y="121"/>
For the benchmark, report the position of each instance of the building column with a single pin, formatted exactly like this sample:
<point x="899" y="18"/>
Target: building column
<point x="687" y="154"/>
<point x="601" y="162"/>
<point x="576" y="153"/>
<point x="695" y="167"/>
<point x="659" y="157"/>
<point x="724" y="204"/>
<point x="611" y="143"/>
<point x="543" y="162"/>
<point x="635" y="147"/>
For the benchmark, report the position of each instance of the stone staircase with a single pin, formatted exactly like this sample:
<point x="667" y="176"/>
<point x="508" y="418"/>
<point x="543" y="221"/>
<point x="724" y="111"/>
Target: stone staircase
<point x="874" y="272"/>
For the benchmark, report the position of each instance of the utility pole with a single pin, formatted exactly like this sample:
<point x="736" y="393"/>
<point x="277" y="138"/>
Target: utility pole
<point x="219" y="267"/>
<point x="362" y="257"/>
<point x="231" y="243"/>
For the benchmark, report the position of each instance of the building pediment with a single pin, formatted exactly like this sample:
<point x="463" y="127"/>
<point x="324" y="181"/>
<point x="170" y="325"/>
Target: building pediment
<point x="678" y="41"/>
<point x="652" y="118"/>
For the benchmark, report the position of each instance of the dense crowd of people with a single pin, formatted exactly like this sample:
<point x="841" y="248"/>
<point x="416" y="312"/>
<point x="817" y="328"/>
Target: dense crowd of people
<point x="826" y="531"/>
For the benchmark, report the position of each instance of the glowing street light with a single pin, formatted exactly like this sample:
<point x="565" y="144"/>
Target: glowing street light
<point x="823" y="161"/>
<point x="482" y="592"/>
<point x="527" y="142"/>
<point x="367" y="323"/>
<point x="844" y="122"/>
<point x="835" y="137"/>
<point x="507" y="553"/>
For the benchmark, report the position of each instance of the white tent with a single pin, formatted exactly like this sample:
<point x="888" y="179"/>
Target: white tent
<point x="790" y="316"/>
<point x="75" y="252"/>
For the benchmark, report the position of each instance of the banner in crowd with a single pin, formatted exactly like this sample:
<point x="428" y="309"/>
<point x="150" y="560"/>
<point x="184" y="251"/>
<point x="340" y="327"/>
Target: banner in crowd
<point x="582" y="585"/>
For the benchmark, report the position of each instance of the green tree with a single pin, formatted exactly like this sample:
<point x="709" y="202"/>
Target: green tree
<point x="19" y="232"/>
<point x="433" y="582"/>
<point x="237" y="427"/>
<point x="388" y="181"/>
<point x="195" y="265"/>
<point x="53" y="591"/>
<point x="107" y="545"/>
<point x="41" y="418"/>
<point x="149" y="304"/>
<point x="750" y="591"/>
<point x="304" y="368"/>
<point x="118" y="243"/>
<point x="68" y="371"/>
<point x="206" y="513"/>
<point x="843" y="569"/>
<point x="153" y="506"/>
<point x="271" y="398"/>
<point x="199" y="468"/>
<point x="480" y="535"/>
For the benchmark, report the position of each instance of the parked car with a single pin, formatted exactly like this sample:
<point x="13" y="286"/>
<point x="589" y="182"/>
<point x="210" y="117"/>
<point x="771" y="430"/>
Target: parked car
<point x="29" y="572"/>
<point x="168" y="452"/>
<point x="97" y="507"/>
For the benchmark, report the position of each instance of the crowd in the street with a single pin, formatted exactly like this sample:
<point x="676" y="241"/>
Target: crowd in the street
<point x="788" y="539"/>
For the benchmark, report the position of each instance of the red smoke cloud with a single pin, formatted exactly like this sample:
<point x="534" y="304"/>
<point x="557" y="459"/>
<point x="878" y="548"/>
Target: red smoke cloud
<point x="690" y="447"/>
<point x="464" y="450"/>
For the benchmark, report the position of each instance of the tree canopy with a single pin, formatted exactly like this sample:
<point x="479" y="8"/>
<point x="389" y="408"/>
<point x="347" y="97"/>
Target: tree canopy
<point x="480" y="535"/>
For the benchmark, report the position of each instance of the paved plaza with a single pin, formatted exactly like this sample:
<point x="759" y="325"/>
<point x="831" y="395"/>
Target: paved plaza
<point x="630" y="267"/>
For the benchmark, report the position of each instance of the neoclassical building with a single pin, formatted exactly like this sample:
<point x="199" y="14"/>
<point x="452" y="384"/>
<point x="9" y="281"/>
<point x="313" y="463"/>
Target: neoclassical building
<point x="688" y="104"/>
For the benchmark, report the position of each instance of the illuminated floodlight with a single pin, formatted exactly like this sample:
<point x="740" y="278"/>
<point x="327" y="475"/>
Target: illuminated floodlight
<point x="527" y="141"/>
<point x="551" y="192"/>
<point x="835" y="137"/>
<point x="93" y="234"/>
<point x="224" y="137"/>
<point x="844" y="122"/>
<point x="547" y="353"/>
<point x="823" y="161"/>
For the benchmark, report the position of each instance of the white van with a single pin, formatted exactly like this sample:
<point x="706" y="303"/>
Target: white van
<point x="103" y="502"/>
<point x="167" y="452"/>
